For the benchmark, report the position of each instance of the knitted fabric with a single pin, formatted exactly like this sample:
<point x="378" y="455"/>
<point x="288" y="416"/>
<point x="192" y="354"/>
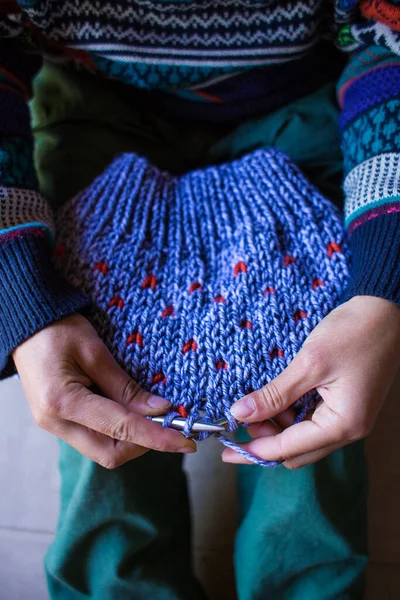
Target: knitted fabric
<point x="205" y="286"/>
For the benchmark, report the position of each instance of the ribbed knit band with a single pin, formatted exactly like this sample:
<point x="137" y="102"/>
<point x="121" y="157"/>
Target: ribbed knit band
<point x="32" y="295"/>
<point x="376" y="259"/>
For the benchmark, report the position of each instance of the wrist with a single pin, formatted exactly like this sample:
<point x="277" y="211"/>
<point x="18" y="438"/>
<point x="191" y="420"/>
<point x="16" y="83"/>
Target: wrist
<point x="379" y="314"/>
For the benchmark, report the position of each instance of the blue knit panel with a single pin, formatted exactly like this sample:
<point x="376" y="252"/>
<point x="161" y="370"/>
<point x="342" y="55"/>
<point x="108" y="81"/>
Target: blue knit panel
<point x="364" y="61"/>
<point x="373" y="133"/>
<point x="372" y="89"/>
<point x="165" y="77"/>
<point x="376" y="259"/>
<point x="14" y="114"/>
<point x="16" y="162"/>
<point x="32" y="295"/>
<point x="205" y="286"/>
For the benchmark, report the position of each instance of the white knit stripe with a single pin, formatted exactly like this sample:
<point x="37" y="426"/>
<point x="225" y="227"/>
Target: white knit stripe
<point x="87" y="9"/>
<point x="20" y="208"/>
<point x="372" y="182"/>
<point x="214" y="30"/>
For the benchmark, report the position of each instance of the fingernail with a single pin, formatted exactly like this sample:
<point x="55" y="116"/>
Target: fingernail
<point x="188" y="449"/>
<point x="158" y="403"/>
<point x="243" y="408"/>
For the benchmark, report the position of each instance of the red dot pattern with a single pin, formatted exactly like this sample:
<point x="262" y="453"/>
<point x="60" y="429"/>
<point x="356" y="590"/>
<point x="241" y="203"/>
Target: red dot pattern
<point x="195" y="286"/>
<point x="149" y="282"/>
<point x="299" y="314"/>
<point x="316" y="283"/>
<point x="168" y="312"/>
<point x="116" y="301"/>
<point x="102" y="267"/>
<point x="276" y="352"/>
<point x="136" y="338"/>
<point x="221" y="364"/>
<point x="182" y="411"/>
<point x="240" y="267"/>
<point x="269" y="290"/>
<point x="190" y="345"/>
<point x="289" y="260"/>
<point x="159" y="378"/>
<point x="332" y="248"/>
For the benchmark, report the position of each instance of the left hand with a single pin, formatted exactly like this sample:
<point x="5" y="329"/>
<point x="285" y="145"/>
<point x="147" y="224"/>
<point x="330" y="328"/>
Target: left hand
<point x="351" y="358"/>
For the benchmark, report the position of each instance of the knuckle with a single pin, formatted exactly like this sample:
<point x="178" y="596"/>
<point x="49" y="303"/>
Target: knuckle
<point x="49" y="405"/>
<point x="292" y="465"/>
<point x="271" y="397"/>
<point x="94" y="355"/>
<point x="284" y="454"/>
<point x="345" y="428"/>
<point x="162" y="446"/>
<point x="40" y="418"/>
<point x="123" y="430"/>
<point x="159" y="447"/>
<point x="359" y="431"/>
<point x="311" y="360"/>
<point x="110" y="462"/>
<point x="130" y="391"/>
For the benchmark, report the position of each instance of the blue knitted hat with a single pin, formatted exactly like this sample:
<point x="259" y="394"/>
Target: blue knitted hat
<point x="205" y="286"/>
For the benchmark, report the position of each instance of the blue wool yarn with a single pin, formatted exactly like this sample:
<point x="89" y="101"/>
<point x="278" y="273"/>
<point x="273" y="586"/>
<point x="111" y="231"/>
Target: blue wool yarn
<point x="205" y="286"/>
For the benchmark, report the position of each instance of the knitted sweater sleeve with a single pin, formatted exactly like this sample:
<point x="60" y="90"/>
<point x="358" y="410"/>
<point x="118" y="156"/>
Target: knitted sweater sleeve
<point x="369" y="96"/>
<point x="31" y="294"/>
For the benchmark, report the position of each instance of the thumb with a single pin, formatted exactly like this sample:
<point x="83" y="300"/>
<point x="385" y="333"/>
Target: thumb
<point x="114" y="383"/>
<point x="299" y="377"/>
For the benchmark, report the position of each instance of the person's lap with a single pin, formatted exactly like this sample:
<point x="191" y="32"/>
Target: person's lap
<point x="126" y="533"/>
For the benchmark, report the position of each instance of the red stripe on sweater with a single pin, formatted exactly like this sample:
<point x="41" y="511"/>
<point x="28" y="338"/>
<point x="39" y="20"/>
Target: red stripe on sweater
<point x="17" y="81"/>
<point x="381" y="11"/>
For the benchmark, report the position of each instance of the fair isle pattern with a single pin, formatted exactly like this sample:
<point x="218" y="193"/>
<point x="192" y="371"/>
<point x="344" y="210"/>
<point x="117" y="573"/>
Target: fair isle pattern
<point x="376" y="87"/>
<point x="204" y="286"/>
<point x="16" y="161"/>
<point x="214" y="32"/>
<point x="361" y="63"/>
<point x="160" y="76"/>
<point x="373" y="184"/>
<point x="26" y="208"/>
<point x="377" y="131"/>
<point x="369" y="33"/>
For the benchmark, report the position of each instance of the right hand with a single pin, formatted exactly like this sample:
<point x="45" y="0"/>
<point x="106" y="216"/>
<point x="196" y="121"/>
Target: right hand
<point x="58" y="364"/>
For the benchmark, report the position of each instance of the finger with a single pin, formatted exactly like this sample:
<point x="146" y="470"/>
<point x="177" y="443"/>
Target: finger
<point x="298" y="378"/>
<point x="302" y="438"/>
<point x="257" y="430"/>
<point x="273" y="426"/>
<point x="310" y="458"/>
<point x="102" y="368"/>
<point x="116" y="421"/>
<point x="286" y="418"/>
<point x="101" y="449"/>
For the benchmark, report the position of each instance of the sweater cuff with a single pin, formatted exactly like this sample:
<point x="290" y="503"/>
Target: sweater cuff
<point x="32" y="295"/>
<point x="376" y="259"/>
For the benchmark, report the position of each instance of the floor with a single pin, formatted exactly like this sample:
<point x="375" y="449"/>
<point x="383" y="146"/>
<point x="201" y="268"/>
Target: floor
<point x="28" y="504"/>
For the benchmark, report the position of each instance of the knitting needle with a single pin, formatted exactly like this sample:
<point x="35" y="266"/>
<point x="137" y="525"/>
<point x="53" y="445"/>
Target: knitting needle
<point x="200" y="425"/>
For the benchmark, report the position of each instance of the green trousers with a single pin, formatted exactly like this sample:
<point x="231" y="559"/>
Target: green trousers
<point x="125" y="534"/>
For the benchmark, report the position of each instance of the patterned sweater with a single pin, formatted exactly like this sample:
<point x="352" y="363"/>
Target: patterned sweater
<point x="238" y="55"/>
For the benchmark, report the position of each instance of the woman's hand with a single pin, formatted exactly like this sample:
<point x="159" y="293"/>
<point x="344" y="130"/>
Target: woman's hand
<point x="351" y="358"/>
<point x="57" y="366"/>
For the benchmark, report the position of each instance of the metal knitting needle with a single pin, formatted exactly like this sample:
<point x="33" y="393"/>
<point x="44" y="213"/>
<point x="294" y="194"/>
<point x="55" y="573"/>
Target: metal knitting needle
<point x="198" y="426"/>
